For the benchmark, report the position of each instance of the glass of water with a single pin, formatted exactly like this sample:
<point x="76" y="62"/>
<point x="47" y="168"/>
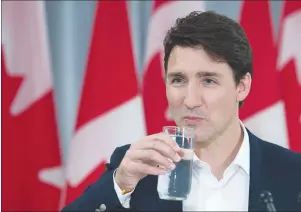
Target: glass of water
<point x="176" y="184"/>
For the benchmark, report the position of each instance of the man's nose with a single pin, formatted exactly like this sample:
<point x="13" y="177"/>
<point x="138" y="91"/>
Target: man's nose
<point x="193" y="96"/>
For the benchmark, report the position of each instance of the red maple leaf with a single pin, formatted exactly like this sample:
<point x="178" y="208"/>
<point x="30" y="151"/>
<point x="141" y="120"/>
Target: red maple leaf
<point x="28" y="146"/>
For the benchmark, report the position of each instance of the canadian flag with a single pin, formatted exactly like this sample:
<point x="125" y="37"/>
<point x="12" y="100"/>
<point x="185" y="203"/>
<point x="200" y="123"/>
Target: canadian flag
<point x="164" y="15"/>
<point x="111" y="110"/>
<point x="263" y="112"/>
<point x="31" y="163"/>
<point x="289" y="65"/>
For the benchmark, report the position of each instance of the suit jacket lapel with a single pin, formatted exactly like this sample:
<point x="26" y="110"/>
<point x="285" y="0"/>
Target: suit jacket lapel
<point x="256" y="177"/>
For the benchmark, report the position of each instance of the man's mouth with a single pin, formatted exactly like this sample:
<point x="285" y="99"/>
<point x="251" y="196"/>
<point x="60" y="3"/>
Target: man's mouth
<point x="192" y="120"/>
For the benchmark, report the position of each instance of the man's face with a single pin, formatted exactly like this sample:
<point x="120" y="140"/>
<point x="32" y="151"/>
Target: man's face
<point x="202" y="93"/>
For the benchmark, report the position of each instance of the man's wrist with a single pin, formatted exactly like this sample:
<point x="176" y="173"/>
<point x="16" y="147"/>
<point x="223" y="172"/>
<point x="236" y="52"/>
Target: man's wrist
<point x="124" y="189"/>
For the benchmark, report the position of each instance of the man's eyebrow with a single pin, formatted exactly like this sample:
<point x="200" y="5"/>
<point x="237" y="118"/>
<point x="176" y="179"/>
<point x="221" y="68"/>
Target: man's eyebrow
<point x="208" y="74"/>
<point x="175" y="74"/>
<point x="199" y="74"/>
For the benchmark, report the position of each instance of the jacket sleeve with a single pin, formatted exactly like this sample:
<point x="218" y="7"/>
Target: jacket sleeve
<point x="101" y="195"/>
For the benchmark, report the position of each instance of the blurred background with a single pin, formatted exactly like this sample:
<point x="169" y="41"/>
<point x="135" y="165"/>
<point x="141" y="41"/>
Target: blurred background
<point x="79" y="78"/>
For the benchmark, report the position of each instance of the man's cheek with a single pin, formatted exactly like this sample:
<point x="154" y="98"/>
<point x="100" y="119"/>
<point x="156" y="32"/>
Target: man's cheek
<point x="176" y="113"/>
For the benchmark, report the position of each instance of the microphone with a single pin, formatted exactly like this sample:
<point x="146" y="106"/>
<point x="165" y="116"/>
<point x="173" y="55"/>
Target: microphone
<point x="267" y="198"/>
<point x="299" y="201"/>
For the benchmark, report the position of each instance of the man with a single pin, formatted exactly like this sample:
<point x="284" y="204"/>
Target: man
<point x="208" y="72"/>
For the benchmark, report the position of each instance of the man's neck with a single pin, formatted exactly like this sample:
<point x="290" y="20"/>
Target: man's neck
<point x="220" y="153"/>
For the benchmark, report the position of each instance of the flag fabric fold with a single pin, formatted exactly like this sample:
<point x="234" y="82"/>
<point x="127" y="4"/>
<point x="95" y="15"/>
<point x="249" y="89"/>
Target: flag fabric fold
<point x="31" y="160"/>
<point x="110" y="111"/>
<point x="289" y="66"/>
<point x="263" y="112"/>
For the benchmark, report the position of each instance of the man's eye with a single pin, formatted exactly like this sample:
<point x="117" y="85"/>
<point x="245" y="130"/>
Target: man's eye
<point x="208" y="81"/>
<point x="177" y="80"/>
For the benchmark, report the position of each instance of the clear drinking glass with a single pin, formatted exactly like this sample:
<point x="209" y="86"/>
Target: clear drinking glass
<point x="176" y="184"/>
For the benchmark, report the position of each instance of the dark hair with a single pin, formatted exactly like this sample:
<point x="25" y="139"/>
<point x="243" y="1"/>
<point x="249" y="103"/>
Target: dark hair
<point x="221" y="37"/>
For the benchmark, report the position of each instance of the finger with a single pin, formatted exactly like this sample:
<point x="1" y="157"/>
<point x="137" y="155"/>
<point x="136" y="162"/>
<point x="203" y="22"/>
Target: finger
<point x="147" y="169"/>
<point x="151" y="157"/>
<point x="159" y="136"/>
<point x="161" y="147"/>
<point x="167" y="139"/>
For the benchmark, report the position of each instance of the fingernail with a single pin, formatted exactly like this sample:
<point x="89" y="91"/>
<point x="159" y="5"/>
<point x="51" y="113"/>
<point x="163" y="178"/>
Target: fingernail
<point x="178" y="158"/>
<point x="172" y="166"/>
<point x="177" y="148"/>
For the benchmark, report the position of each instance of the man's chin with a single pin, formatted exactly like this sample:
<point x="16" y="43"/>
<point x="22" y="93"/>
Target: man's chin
<point x="202" y="133"/>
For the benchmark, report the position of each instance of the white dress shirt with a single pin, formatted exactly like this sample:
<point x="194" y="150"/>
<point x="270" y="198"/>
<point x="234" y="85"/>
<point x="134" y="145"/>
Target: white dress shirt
<point x="231" y="193"/>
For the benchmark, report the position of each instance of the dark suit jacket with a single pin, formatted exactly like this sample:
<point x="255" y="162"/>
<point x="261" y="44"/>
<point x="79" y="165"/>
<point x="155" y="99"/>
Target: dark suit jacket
<point x="272" y="168"/>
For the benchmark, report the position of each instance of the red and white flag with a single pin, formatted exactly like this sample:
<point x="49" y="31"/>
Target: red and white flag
<point x="289" y="65"/>
<point x="31" y="161"/>
<point x="163" y="16"/>
<point x="110" y="112"/>
<point x="263" y="112"/>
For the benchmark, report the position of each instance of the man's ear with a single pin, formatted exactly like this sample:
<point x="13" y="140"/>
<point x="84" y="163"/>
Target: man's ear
<point x="244" y="87"/>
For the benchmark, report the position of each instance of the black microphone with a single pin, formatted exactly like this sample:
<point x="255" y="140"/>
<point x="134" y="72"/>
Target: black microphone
<point x="267" y="198"/>
<point x="299" y="201"/>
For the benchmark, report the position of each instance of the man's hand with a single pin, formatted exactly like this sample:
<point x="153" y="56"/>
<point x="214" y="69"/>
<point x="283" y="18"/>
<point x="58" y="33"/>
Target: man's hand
<point x="152" y="155"/>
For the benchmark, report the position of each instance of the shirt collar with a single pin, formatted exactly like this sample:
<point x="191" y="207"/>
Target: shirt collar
<point x="242" y="158"/>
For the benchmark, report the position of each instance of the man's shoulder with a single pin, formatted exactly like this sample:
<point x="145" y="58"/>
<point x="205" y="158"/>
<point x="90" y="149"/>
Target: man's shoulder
<point x="118" y="155"/>
<point x="278" y="155"/>
<point x="122" y="149"/>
